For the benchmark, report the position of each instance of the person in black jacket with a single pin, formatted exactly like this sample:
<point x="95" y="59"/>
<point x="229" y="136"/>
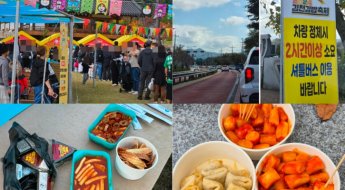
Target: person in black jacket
<point x="37" y="75"/>
<point x="99" y="63"/>
<point x="106" y="66"/>
<point x="159" y="75"/>
<point x="115" y="65"/>
<point x="145" y="61"/>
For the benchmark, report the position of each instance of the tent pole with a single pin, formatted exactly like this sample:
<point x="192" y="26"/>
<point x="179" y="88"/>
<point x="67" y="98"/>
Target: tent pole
<point x="70" y="68"/>
<point x="15" y="53"/>
<point x="94" y="59"/>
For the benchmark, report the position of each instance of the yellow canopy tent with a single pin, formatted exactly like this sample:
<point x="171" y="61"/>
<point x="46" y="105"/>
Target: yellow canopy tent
<point x="91" y="40"/>
<point x="130" y="38"/>
<point x="22" y="36"/>
<point x="53" y="40"/>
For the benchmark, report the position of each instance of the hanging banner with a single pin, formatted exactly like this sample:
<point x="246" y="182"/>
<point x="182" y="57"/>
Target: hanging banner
<point x="86" y="6"/>
<point x="44" y="4"/>
<point x="170" y="12"/>
<point x="115" y="7"/>
<point x="73" y="6"/>
<point x="147" y="10"/>
<point x="31" y="3"/>
<point x="161" y="10"/>
<point x="101" y="7"/>
<point x="64" y="50"/>
<point x="310" y="52"/>
<point x="59" y="5"/>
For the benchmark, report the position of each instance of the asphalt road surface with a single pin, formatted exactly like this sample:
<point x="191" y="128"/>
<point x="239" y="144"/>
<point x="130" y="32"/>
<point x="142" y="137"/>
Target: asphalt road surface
<point x="215" y="89"/>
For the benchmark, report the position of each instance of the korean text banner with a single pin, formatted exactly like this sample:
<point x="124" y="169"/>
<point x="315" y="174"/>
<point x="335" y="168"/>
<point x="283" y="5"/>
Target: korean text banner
<point x="309" y="52"/>
<point x="63" y="63"/>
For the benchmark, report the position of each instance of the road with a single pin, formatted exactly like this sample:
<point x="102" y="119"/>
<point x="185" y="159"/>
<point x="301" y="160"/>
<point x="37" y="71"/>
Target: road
<point x="215" y="89"/>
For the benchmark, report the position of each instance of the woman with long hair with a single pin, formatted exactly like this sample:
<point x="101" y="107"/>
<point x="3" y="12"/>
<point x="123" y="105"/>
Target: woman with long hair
<point x="159" y="75"/>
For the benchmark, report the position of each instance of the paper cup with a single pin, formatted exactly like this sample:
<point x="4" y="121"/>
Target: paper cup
<point x="126" y="171"/>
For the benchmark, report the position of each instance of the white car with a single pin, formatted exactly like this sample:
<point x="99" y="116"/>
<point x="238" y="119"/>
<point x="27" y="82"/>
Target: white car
<point x="225" y="68"/>
<point x="249" y="79"/>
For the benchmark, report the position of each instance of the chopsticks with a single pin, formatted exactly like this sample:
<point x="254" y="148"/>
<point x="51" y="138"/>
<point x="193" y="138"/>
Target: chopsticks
<point x="335" y="171"/>
<point x="244" y="114"/>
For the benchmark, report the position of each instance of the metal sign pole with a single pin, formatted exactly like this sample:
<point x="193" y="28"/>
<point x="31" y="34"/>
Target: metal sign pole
<point x="44" y="80"/>
<point x="15" y="52"/>
<point x="94" y="60"/>
<point x="281" y="89"/>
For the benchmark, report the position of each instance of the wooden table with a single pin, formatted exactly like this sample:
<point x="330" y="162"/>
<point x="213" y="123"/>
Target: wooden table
<point x="69" y="123"/>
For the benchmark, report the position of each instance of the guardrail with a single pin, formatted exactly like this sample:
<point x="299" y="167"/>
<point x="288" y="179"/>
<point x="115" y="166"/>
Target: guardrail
<point x="185" y="76"/>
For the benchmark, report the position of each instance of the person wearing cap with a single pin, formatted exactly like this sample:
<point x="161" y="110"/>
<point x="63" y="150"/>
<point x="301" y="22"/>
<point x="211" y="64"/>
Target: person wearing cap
<point x="4" y="71"/>
<point x="146" y="64"/>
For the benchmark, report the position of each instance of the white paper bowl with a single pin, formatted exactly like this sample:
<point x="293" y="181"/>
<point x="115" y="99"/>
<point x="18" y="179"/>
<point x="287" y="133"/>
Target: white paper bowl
<point x="256" y="154"/>
<point x="330" y="167"/>
<point x="126" y="171"/>
<point x="208" y="151"/>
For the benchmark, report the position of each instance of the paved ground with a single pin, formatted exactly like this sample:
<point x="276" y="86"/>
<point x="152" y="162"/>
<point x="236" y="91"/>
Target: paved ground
<point x="215" y="89"/>
<point x="269" y="96"/>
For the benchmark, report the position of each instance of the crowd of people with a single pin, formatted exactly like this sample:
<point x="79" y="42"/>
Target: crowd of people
<point x="40" y="70"/>
<point x="138" y="71"/>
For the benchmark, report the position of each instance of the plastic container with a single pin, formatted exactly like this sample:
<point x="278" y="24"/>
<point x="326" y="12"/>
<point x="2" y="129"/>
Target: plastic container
<point x="110" y="108"/>
<point x="256" y="154"/>
<point x="126" y="171"/>
<point x="82" y="153"/>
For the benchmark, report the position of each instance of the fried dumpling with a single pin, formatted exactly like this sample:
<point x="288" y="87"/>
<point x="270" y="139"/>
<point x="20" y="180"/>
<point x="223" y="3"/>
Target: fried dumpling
<point x="241" y="181"/>
<point x="192" y="187"/>
<point x="232" y="186"/>
<point x="208" y="184"/>
<point x="209" y="165"/>
<point x="218" y="175"/>
<point x="192" y="181"/>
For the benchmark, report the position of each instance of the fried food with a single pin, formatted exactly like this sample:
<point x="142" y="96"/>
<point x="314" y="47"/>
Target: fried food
<point x="91" y="173"/>
<point x="112" y="126"/>
<point x="137" y="156"/>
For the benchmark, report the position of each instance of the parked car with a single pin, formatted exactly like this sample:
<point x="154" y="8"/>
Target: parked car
<point x="249" y="78"/>
<point x="225" y="68"/>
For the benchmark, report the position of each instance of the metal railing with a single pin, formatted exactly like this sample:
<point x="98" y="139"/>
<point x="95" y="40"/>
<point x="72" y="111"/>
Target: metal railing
<point x="186" y="76"/>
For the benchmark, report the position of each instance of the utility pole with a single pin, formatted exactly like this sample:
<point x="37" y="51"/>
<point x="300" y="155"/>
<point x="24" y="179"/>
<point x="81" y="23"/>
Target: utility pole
<point x="158" y="23"/>
<point x="175" y="37"/>
<point x="242" y="44"/>
<point x="232" y="49"/>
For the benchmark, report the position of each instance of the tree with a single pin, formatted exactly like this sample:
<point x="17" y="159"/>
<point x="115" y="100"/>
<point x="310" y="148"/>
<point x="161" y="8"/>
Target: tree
<point x="253" y="15"/>
<point x="182" y="60"/>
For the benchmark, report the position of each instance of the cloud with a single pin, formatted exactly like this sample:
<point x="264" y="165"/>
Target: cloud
<point x="234" y="20"/>
<point x="201" y="37"/>
<point x="237" y="4"/>
<point x="187" y="5"/>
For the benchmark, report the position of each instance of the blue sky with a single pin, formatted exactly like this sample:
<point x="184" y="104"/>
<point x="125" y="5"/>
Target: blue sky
<point x="213" y="25"/>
